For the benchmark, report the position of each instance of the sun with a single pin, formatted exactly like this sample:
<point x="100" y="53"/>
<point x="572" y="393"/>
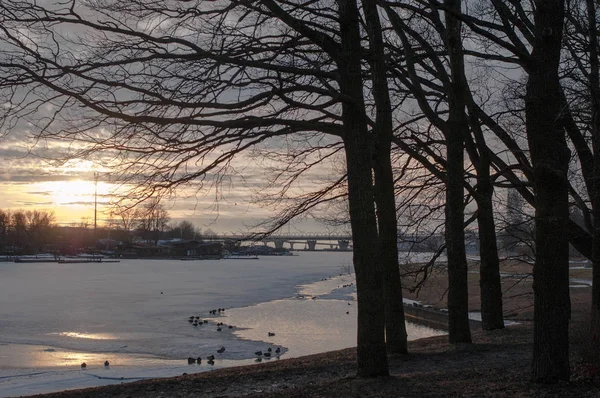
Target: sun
<point x="75" y="192"/>
<point x="71" y="200"/>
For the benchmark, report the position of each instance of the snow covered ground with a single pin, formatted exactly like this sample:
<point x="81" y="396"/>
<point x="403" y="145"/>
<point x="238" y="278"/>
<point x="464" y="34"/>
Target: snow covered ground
<point x="135" y="314"/>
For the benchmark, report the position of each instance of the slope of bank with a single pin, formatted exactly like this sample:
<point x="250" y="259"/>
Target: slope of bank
<point x="496" y="365"/>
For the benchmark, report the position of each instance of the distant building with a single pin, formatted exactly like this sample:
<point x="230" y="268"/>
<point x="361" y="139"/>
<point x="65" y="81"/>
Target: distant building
<point x="176" y="248"/>
<point x="194" y="248"/>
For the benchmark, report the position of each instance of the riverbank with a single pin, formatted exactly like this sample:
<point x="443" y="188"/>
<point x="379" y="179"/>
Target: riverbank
<point x="496" y="365"/>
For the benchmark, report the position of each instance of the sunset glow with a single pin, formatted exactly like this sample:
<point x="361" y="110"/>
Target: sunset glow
<point x="71" y="201"/>
<point x="69" y="192"/>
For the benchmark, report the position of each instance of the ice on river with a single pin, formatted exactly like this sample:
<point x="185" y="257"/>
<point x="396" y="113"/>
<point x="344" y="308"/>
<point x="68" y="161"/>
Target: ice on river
<point x="135" y="314"/>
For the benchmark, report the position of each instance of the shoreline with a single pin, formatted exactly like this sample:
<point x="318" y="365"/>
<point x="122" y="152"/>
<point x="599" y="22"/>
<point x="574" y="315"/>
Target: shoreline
<point x="324" y="319"/>
<point x="125" y="367"/>
<point x="496" y="365"/>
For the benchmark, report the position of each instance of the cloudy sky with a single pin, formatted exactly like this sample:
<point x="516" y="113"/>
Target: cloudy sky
<point x="28" y="181"/>
<point x="233" y="198"/>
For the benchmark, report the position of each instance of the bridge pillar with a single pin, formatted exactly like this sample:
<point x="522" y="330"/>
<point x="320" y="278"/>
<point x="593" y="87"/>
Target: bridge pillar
<point x="279" y="243"/>
<point x="291" y="245"/>
<point x="312" y="244"/>
<point x="343" y="244"/>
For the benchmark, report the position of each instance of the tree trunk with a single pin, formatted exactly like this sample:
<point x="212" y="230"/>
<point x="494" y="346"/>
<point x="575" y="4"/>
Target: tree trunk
<point x="395" y="325"/>
<point x="594" y="82"/>
<point x="550" y="159"/>
<point x="489" y="269"/>
<point x="490" y="285"/>
<point x="458" y="291"/>
<point x="371" y="350"/>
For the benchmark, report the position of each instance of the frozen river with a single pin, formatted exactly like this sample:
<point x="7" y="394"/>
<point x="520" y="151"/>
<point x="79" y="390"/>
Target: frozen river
<point x="135" y="314"/>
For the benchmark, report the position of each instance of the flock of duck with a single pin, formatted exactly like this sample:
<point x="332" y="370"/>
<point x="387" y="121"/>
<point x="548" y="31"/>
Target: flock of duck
<point x="209" y="359"/>
<point x="196" y="321"/>
<point x="267" y="354"/>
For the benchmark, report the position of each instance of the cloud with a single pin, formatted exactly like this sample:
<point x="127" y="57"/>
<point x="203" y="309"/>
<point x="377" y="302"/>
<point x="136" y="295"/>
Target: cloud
<point x="36" y="204"/>
<point x="34" y="177"/>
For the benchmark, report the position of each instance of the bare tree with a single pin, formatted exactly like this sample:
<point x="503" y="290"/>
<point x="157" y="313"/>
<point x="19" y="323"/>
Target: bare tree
<point x="550" y="158"/>
<point x="455" y="134"/>
<point x="396" y="336"/>
<point x="183" y="229"/>
<point x="19" y="228"/>
<point x="125" y="220"/>
<point x="173" y="121"/>
<point x="454" y="130"/>
<point x="152" y="220"/>
<point x="39" y="224"/>
<point x="5" y="219"/>
<point x="582" y="93"/>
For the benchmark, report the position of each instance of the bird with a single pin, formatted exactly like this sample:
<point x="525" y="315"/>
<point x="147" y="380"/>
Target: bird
<point x="267" y="355"/>
<point x="221" y="350"/>
<point x="230" y="327"/>
<point x="83" y="365"/>
<point x="195" y="324"/>
<point x="347" y="312"/>
<point x="199" y="360"/>
<point x="258" y="360"/>
<point x="258" y="353"/>
<point x="190" y="320"/>
<point x="192" y="317"/>
<point x="205" y="321"/>
<point x="210" y="357"/>
<point x="269" y="349"/>
<point x="210" y="362"/>
<point x="191" y="360"/>
<point x="106" y="363"/>
<point x="161" y="292"/>
<point x="349" y="303"/>
<point x="218" y="329"/>
<point x="270" y="334"/>
<point x="277" y="350"/>
<point x="197" y="317"/>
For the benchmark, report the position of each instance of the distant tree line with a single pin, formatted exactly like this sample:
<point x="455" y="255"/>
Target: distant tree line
<point x="26" y="231"/>
<point x="37" y="231"/>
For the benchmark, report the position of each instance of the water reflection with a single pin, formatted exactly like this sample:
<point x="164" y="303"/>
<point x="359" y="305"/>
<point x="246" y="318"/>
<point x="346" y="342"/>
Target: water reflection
<point x="91" y="336"/>
<point x="306" y="326"/>
<point x="15" y="356"/>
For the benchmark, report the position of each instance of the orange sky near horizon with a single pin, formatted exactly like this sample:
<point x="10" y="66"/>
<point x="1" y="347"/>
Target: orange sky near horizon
<point x="72" y="202"/>
<point x="236" y="203"/>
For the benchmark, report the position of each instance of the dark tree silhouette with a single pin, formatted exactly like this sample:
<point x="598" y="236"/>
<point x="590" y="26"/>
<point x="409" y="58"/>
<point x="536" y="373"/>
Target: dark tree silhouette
<point x="550" y="159"/>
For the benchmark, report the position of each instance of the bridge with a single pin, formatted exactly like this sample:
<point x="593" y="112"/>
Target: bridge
<point x="334" y="242"/>
<point x="340" y="242"/>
